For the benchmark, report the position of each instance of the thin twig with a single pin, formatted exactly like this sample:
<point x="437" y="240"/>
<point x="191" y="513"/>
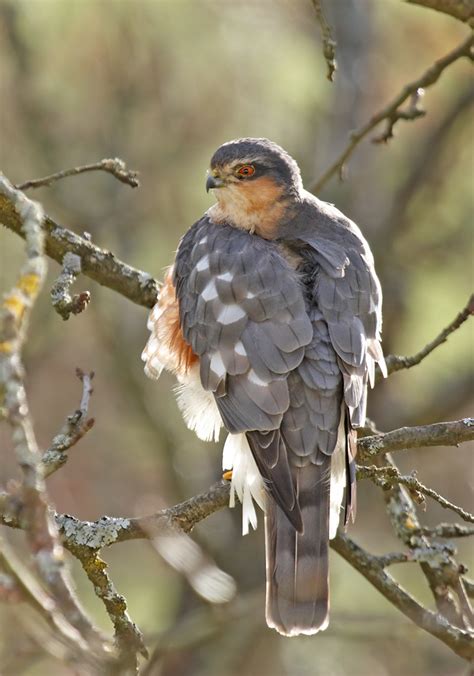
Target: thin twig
<point x="428" y="78"/>
<point x="447" y="530"/>
<point x="387" y="476"/>
<point x="458" y="9"/>
<point x="76" y="426"/>
<point x="61" y="299"/>
<point x="412" y="112"/>
<point x="396" y="363"/>
<point x="114" y="166"/>
<point x="418" y="554"/>
<point x="420" y="169"/>
<point x="329" y="44"/>
<point x="449" y="433"/>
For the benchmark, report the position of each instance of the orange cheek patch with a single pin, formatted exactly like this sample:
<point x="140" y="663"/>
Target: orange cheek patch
<point x="261" y="193"/>
<point x="263" y="200"/>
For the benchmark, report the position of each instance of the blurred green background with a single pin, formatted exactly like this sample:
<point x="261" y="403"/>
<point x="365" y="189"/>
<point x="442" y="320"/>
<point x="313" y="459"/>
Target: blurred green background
<point x="162" y="84"/>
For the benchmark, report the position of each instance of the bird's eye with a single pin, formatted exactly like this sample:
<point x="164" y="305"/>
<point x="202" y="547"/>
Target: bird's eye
<point x="246" y="170"/>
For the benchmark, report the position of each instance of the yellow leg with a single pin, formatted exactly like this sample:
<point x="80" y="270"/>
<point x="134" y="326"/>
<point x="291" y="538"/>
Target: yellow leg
<point x="227" y="476"/>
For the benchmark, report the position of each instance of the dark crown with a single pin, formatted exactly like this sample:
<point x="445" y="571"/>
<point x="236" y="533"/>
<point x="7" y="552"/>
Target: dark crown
<point x="269" y="157"/>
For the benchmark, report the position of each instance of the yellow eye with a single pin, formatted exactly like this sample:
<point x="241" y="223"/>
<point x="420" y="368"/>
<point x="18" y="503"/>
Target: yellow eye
<point x="246" y="170"/>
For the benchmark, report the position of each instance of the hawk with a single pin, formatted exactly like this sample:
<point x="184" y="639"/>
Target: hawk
<point x="270" y="318"/>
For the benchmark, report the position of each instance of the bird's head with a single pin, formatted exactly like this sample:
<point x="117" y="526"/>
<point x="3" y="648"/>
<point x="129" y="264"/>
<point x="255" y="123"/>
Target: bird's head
<point x="253" y="179"/>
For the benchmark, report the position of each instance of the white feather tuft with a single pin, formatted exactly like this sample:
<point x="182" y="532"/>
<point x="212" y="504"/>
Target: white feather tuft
<point x="247" y="482"/>
<point x="199" y="408"/>
<point x="338" y="483"/>
<point x="375" y="351"/>
<point x="338" y="479"/>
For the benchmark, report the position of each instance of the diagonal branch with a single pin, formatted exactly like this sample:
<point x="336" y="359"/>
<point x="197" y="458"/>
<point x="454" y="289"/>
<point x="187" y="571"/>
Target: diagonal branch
<point x="459" y="9"/>
<point x="128" y="636"/>
<point x="429" y="77"/>
<point x="76" y="426"/>
<point x="459" y="640"/>
<point x="396" y="363"/>
<point x="98" y="264"/>
<point x="114" y="166"/>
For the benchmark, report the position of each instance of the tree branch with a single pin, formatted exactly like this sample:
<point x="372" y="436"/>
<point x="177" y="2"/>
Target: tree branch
<point x="438" y="434"/>
<point x="392" y="110"/>
<point x="190" y="512"/>
<point x="108" y="530"/>
<point x="114" y="166"/>
<point x="84" y="539"/>
<point x="459" y="9"/>
<point x="184" y="516"/>
<point x="98" y="264"/>
<point x="447" y="530"/>
<point x="416" y="555"/>
<point x="412" y="112"/>
<point x="128" y="636"/>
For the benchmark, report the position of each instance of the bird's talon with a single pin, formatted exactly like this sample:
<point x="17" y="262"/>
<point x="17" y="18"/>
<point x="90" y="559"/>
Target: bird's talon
<point x="227" y="476"/>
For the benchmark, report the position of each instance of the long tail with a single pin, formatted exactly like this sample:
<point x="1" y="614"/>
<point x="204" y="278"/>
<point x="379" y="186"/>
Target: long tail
<point x="297" y="563"/>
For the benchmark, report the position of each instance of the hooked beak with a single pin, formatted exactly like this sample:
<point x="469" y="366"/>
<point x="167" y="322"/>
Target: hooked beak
<point x="213" y="182"/>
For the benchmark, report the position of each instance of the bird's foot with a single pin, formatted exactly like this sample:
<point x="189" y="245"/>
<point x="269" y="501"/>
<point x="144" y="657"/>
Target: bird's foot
<point x="227" y="476"/>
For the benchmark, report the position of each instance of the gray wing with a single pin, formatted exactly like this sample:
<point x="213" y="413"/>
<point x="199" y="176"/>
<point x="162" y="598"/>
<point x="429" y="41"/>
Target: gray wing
<point x="243" y="313"/>
<point x="348" y="293"/>
<point x="351" y="306"/>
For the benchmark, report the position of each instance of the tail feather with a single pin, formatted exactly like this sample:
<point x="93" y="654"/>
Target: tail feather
<point x="297" y="563"/>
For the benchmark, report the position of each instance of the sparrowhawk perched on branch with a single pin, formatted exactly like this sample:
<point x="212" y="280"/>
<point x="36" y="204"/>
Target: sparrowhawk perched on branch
<point x="270" y="317"/>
